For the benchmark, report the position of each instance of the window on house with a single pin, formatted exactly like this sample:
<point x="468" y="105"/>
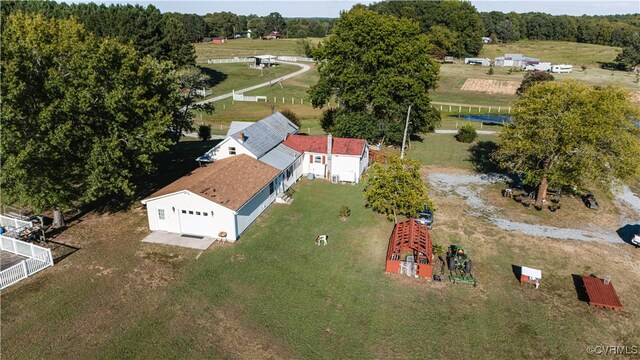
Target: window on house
<point x="161" y="214"/>
<point x="271" y="186"/>
<point x="232" y="150"/>
<point x="205" y="213"/>
<point x="190" y="212"/>
<point x="289" y="172"/>
<point x="197" y="212"/>
<point x="184" y="211"/>
<point x="317" y="159"/>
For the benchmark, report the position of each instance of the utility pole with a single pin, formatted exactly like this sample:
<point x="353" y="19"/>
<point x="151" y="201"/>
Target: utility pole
<point x="406" y="127"/>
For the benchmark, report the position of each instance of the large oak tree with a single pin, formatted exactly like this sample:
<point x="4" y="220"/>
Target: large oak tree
<point x="81" y="116"/>
<point x="375" y="66"/>
<point x="571" y="134"/>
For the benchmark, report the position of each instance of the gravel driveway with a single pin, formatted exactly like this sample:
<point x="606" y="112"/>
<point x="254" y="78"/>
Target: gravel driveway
<point x="466" y="186"/>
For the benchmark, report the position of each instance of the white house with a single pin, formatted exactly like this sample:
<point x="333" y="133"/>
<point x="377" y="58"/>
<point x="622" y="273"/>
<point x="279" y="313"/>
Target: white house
<point x="219" y="200"/>
<point x="336" y="159"/>
<point x="246" y="172"/>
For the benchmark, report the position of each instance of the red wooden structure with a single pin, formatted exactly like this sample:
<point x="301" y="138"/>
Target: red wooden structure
<point x="410" y="238"/>
<point x="600" y="294"/>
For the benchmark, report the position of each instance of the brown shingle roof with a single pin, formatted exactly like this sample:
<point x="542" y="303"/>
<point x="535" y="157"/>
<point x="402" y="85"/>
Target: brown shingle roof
<point x="230" y="182"/>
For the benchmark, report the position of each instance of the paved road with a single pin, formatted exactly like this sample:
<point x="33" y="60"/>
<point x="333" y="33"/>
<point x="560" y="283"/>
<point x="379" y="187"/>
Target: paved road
<point x="304" y="68"/>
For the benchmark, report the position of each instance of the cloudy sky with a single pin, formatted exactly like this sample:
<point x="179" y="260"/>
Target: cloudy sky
<point x="315" y="8"/>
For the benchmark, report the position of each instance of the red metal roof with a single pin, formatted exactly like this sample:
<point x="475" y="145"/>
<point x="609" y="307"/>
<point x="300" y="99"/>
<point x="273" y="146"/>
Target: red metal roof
<point x="318" y="144"/>
<point x="600" y="294"/>
<point x="407" y="236"/>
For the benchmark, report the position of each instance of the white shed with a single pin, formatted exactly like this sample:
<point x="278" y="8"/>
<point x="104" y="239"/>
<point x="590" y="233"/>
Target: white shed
<point x="223" y="197"/>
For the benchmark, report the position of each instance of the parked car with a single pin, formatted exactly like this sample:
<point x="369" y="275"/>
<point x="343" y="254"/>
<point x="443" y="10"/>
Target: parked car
<point x="425" y="217"/>
<point x="590" y="201"/>
<point x="636" y="239"/>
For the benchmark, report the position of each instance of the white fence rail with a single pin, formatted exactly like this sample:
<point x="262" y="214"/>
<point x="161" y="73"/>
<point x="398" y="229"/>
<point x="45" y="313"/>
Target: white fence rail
<point x="295" y="58"/>
<point x="38" y="258"/>
<point x="242" y="97"/>
<point x="234" y="60"/>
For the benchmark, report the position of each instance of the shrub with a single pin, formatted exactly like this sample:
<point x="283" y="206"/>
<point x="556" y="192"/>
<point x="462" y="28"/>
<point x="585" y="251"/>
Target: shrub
<point x="490" y="72"/>
<point x="467" y="134"/>
<point x="344" y="211"/>
<point x="293" y="117"/>
<point x="204" y="132"/>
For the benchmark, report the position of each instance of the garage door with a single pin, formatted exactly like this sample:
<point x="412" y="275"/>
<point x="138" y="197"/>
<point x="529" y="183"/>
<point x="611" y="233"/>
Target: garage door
<point x="195" y="222"/>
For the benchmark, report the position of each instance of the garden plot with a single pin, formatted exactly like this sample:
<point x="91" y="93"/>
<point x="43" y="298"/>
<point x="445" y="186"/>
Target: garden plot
<point x="502" y="87"/>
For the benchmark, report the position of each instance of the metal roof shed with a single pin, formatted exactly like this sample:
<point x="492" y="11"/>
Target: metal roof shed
<point x="410" y="247"/>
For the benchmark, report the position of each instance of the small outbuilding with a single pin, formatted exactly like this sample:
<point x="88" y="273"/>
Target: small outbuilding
<point x="219" y="40"/>
<point x="478" y="61"/>
<point x="273" y="35"/>
<point x="530" y="276"/>
<point x="265" y="60"/>
<point x="409" y="250"/>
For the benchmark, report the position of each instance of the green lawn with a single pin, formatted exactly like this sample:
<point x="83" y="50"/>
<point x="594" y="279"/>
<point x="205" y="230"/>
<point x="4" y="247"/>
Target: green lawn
<point x="236" y="76"/>
<point x="274" y="294"/>
<point x="559" y="52"/>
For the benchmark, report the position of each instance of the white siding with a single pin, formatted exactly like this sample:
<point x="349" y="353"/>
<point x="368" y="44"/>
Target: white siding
<point x="222" y="151"/>
<point x="223" y="219"/>
<point x="248" y="213"/>
<point x="364" y="161"/>
<point x="346" y="167"/>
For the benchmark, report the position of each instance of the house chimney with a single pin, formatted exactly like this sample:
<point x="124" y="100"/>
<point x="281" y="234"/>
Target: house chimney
<point x="241" y="137"/>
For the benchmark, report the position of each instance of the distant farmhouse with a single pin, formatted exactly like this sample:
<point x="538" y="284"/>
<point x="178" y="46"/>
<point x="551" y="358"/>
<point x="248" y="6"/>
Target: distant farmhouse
<point x="273" y="35"/>
<point x="486" y="40"/>
<point x="248" y="171"/>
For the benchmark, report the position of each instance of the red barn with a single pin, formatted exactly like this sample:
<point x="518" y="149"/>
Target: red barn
<point x="219" y="40"/>
<point x="410" y="250"/>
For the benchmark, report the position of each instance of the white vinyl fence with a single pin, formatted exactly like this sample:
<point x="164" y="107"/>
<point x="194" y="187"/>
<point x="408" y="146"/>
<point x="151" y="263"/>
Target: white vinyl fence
<point x="38" y="258"/>
<point x="13" y="226"/>
<point x="295" y="58"/>
<point x="234" y="60"/>
<point x="242" y="97"/>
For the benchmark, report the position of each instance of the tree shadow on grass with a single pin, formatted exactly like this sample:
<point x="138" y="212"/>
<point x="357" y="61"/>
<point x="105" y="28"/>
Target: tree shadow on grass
<point x="481" y="157"/>
<point x="215" y="76"/>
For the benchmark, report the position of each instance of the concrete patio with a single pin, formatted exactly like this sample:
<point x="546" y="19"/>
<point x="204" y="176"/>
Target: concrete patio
<point x="188" y="241"/>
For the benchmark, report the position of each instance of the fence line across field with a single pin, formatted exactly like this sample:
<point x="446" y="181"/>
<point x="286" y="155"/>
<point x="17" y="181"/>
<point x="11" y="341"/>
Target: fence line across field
<point x="470" y="109"/>
<point x="37" y="258"/>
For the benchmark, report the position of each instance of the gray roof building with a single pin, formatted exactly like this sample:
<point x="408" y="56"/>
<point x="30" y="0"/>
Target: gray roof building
<point x="280" y="157"/>
<point x="265" y="134"/>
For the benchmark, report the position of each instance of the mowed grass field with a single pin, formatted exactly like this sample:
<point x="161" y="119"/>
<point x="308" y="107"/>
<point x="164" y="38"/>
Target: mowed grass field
<point x="250" y="47"/>
<point x="274" y="294"/>
<point x="557" y="52"/>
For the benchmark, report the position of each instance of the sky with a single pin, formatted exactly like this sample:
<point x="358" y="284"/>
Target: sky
<point x="315" y="8"/>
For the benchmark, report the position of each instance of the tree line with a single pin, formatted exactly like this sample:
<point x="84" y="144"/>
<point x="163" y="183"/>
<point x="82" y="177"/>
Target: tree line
<point x="227" y="24"/>
<point x="610" y="30"/>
